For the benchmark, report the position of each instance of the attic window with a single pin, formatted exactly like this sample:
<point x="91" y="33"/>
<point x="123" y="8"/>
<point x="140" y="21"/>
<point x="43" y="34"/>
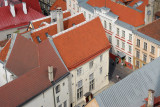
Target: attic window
<point x="38" y="38"/>
<point x="73" y="24"/>
<point x="137" y="4"/>
<point x="47" y="35"/>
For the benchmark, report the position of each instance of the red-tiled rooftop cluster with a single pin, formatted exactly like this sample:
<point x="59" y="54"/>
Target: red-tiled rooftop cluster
<point x="59" y="3"/>
<point x="126" y="14"/>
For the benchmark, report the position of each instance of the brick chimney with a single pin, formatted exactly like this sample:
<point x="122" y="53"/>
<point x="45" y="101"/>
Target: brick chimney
<point x="12" y="10"/>
<point x="60" y="26"/>
<point x="150" y="98"/>
<point x="24" y="7"/>
<point x="5" y="2"/>
<point x="50" y="73"/>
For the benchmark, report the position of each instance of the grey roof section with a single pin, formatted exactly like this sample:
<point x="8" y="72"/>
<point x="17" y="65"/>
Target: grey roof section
<point x="112" y="15"/>
<point x="105" y="8"/>
<point x="125" y="25"/>
<point x="86" y="6"/>
<point x="132" y="90"/>
<point x="146" y="37"/>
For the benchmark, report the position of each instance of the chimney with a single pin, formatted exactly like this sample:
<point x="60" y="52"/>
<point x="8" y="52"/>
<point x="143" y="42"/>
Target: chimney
<point x="150" y="98"/>
<point x="53" y="15"/>
<point x="148" y="13"/>
<point x="12" y="10"/>
<point x="24" y="7"/>
<point x="60" y="26"/>
<point x="5" y="2"/>
<point x="50" y="73"/>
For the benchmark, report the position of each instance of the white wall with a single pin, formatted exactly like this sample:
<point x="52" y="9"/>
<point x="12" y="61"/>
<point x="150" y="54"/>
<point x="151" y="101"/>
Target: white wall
<point x="5" y="76"/>
<point x="101" y="80"/>
<point x="49" y="97"/>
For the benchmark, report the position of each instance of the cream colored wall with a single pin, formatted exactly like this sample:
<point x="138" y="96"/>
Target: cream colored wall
<point x="141" y="49"/>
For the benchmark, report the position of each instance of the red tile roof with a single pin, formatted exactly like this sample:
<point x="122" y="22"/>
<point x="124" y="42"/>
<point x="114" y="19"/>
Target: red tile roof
<point x="3" y="42"/>
<point x="8" y="21"/>
<point x="37" y="23"/>
<point x="23" y="56"/>
<point x="82" y="44"/>
<point x="142" y="6"/>
<point x="59" y="3"/>
<point x="156" y="101"/>
<point x="152" y="30"/>
<point x="52" y="30"/>
<point x="126" y="14"/>
<point x="34" y="4"/>
<point x="4" y="51"/>
<point x="34" y="81"/>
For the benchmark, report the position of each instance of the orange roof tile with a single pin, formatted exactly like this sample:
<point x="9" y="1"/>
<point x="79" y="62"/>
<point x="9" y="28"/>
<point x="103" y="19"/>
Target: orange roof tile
<point x="59" y="3"/>
<point x="3" y="43"/>
<point x="142" y="6"/>
<point x="152" y="30"/>
<point x="38" y="23"/>
<point x="125" y="13"/>
<point x="52" y="30"/>
<point x="4" y="51"/>
<point x="82" y="44"/>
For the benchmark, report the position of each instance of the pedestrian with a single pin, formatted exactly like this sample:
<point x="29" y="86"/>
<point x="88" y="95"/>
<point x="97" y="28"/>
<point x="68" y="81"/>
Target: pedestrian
<point x="117" y="76"/>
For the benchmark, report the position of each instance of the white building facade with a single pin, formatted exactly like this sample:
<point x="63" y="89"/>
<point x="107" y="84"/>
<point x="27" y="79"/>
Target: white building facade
<point x="89" y="78"/>
<point x="120" y="34"/>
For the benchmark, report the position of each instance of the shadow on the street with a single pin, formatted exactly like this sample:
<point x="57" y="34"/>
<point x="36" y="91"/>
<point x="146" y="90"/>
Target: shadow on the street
<point x="112" y="66"/>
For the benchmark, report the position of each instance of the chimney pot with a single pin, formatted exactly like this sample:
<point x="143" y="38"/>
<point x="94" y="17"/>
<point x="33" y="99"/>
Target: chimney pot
<point x="5" y="2"/>
<point x="150" y="98"/>
<point x="60" y="26"/>
<point x="12" y="10"/>
<point x="50" y="73"/>
<point x="24" y="7"/>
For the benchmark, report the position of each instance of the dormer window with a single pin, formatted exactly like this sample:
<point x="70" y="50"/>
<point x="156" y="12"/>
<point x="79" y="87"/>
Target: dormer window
<point x="38" y="39"/>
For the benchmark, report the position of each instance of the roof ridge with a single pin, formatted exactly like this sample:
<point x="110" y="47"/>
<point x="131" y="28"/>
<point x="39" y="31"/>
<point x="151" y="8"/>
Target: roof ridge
<point x="73" y="27"/>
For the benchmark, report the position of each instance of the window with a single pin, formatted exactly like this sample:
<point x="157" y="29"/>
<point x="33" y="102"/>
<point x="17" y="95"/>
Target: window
<point x="63" y="83"/>
<point x="105" y="24"/>
<point x="130" y="37"/>
<point x="130" y="49"/>
<point x="58" y="99"/>
<point x="151" y="59"/>
<point x="73" y="6"/>
<point x="152" y="49"/>
<point x="123" y="45"/>
<point x="77" y="8"/>
<point x="145" y="46"/>
<point x="129" y="59"/>
<point x="138" y="42"/>
<point x="144" y="57"/>
<point x="117" y="31"/>
<point x="110" y="26"/>
<point x="137" y="64"/>
<point x="91" y="82"/>
<point x="118" y="42"/>
<point x="110" y="39"/>
<point x="79" y="71"/>
<point x="89" y="16"/>
<point x="100" y="70"/>
<point x="57" y="88"/>
<point x="60" y="105"/>
<point x="80" y="89"/>
<point x="137" y="54"/>
<point x="8" y="36"/>
<point x="101" y="58"/>
<point x="65" y="104"/>
<point x="123" y="33"/>
<point x="84" y="14"/>
<point x="91" y="64"/>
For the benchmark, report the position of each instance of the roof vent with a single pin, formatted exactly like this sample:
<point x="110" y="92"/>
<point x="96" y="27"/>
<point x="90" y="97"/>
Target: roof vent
<point x="12" y="10"/>
<point x="24" y="7"/>
<point x="50" y="73"/>
<point x="39" y="39"/>
<point x="60" y="26"/>
<point x="5" y="2"/>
